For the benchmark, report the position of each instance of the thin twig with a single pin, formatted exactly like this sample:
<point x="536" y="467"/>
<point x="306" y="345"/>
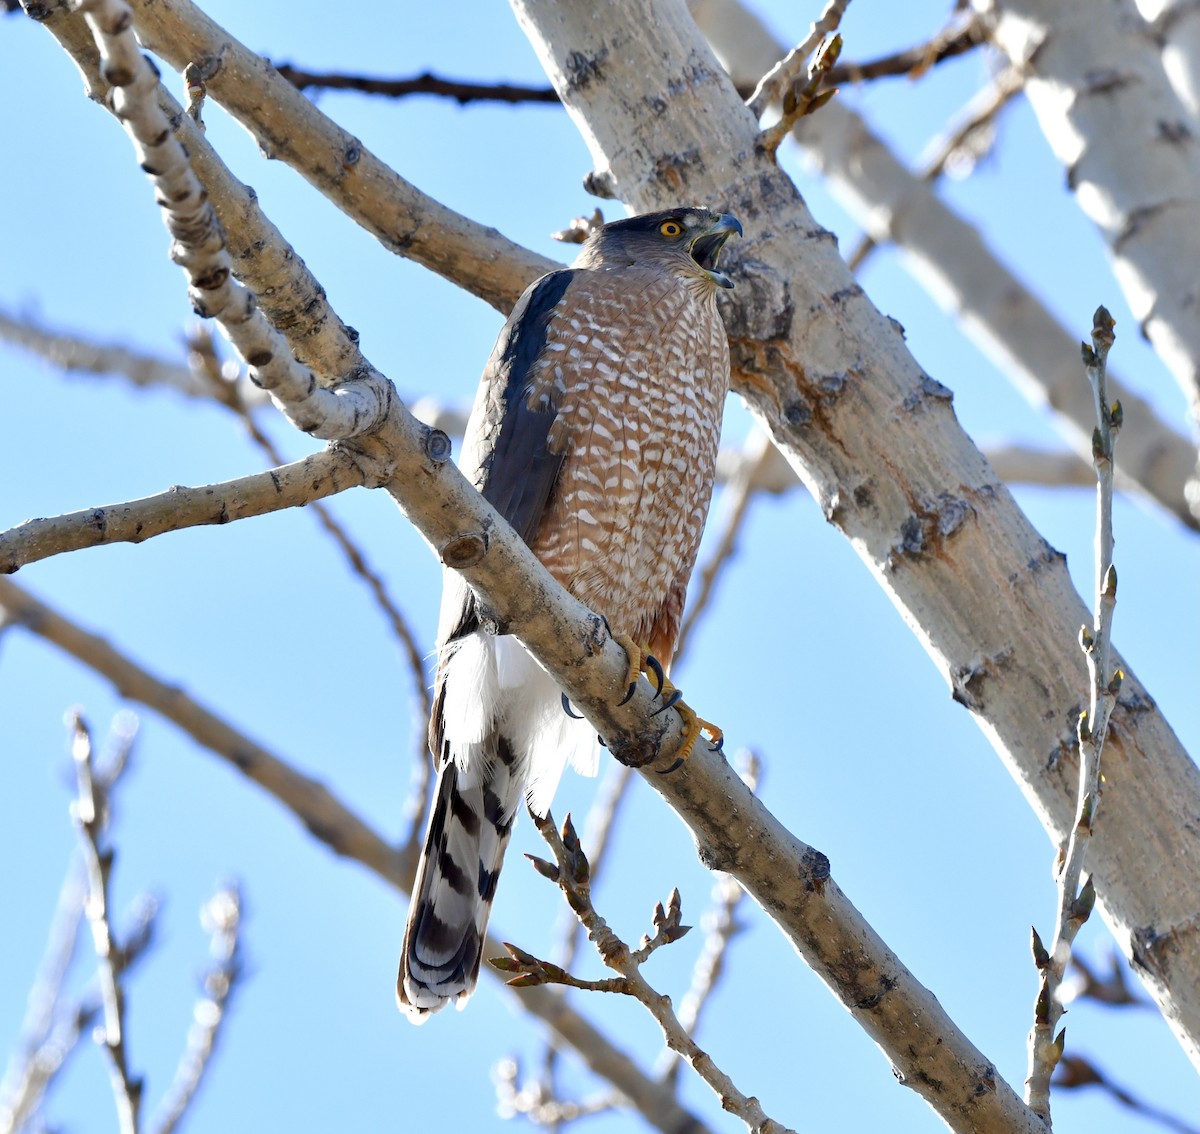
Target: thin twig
<point x="720" y="926"/>
<point x="534" y="1102"/>
<point x="78" y="354"/>
<point x="1075" y="902"/>
<point x="953" y="40"/>
<point x="960" y="148"/>
<point x="1112" y="990"/>
<point x="221" y="917"/>
<point x="572" y="873"/>
<point x="1075" y="1072"/>
<point x="460" y="90"/>
<point x="71" y="1020"/>
<point x="29" y="1072"/>
<point x="794" y="66"/>
<point x="51" y="1029"/>
<point x="90" y="817"/>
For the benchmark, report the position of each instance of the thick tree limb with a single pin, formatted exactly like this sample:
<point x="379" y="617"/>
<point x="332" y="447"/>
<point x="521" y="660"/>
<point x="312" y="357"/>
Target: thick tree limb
<point x="1176" y="26"/>
<point x="874" y="438"/>
<point x="1096" y="82"/>
<point x="288" y="126"/>
<point x="963" y="275"/>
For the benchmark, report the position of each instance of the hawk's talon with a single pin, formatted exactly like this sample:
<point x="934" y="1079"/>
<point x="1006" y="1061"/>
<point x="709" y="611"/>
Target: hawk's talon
<point x="674" y="698"/>
<point x="566" y="704"/>
<point x="651" y="663"/>
<point x="641" y="660"/>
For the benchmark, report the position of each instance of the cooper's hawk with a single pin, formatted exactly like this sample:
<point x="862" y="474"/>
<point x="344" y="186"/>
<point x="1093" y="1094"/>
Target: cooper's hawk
<point x="595" y="434"/>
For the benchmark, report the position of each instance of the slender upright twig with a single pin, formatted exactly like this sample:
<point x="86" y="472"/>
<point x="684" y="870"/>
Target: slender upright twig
<point x="90" y="817"/>
<point x="221" y="916"/>
<point x="1075" y="902"/>
<point x="28" y="1073"/>
<point x="572" y="873"/>
<point x="793" y="67"/>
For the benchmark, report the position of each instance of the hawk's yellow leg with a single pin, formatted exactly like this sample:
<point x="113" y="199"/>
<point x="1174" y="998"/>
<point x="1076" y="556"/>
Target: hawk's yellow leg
<point x="642" y="661"/>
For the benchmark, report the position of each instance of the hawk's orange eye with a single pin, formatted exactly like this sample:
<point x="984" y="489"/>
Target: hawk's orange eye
<point x="670" y="228"/>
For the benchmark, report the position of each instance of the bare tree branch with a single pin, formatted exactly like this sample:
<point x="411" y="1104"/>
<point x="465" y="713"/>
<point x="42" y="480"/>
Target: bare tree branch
<point x="1075" y="901"/>
<point x="75" y="353"/>
<point x="961" y="147"/>
<point x="1076" y="1072"/>
<point x="963" y="274"/>
<point x="291" y="486"/>
<point x="329" y="821"/>
<point x="287" y="126"/>
<point x="51" y="1029"/>
<point x="793" y="66"/>
<point x="459" y="90"/>
<point x="1096" y="82"/>
<point x="571" y="871"/>
<point x="1056" y="468"/>
<point x="873" y="436"/>
<point x="90" y="816"/>
<point x="221" y="916"/>
<point x="958" y="37"/>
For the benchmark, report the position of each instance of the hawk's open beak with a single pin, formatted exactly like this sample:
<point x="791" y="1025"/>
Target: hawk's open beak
<point x="706" y="248"/>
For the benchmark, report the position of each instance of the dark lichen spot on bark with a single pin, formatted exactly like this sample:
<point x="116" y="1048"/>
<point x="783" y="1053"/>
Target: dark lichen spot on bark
<point x="583" y="70"/>
<point x="843" y="295"/>
<point x="1105" y="80"/>
<point x="797" y="414"/>
<point x="815" y="870"/>
<point x="1175" y="132"/>
<point x="912" y="537"/>
<point x="966" y="687"/>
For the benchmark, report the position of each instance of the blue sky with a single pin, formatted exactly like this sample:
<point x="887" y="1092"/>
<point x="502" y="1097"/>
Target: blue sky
<point x="803" y="657"/>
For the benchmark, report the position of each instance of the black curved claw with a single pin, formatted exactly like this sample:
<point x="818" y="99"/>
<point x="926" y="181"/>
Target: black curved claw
<point x="718" y="745"/>
<point x="607" y="628"/>
<point x="667" y="771"/>
<point x="659" y="677"/>
<point x="677" y="695"/>
<point x="566" y="704"/>
<point x="600" y="741"/>
<point x="628" y="693"/>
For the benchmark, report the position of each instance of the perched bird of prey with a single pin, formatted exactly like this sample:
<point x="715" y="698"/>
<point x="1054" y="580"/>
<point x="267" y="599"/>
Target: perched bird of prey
<point x="594" y="433"/>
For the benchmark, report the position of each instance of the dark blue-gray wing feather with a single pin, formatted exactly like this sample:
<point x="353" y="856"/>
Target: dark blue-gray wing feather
<point x="515" y="467"/>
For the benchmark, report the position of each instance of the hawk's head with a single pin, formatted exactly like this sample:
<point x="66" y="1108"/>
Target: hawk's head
<point x="688" y="241"/>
